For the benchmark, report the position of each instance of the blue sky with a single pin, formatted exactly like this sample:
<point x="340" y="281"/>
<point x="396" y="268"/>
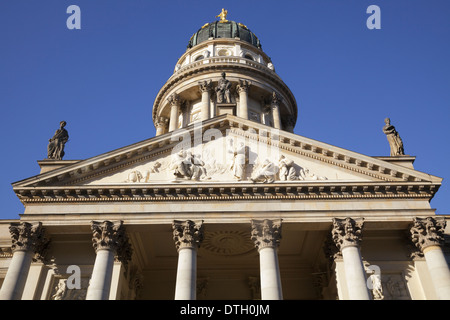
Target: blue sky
<point x="103" y="78"/>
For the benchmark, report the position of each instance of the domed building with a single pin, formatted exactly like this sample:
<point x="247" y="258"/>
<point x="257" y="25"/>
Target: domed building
<point x="226" y="202"/>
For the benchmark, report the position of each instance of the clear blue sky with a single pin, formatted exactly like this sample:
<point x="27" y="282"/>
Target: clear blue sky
<point x="103" y="78"/>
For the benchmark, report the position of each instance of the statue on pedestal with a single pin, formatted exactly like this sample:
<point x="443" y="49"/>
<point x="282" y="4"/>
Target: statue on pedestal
<point x="55" y="148"/>
<point x="395" y="142"/>
<point x="223" y="90"/>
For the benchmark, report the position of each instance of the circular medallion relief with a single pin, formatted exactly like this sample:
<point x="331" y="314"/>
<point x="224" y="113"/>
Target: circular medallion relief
<point x="227" y="242"/>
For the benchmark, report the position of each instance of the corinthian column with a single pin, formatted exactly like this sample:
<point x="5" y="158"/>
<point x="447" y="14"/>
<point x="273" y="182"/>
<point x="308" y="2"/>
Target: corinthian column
<point x="428" y="235"/>
<point x="27" y="239"/>
<point x="187" y="236"/>
<point x="161" y="125"/>
<point x="346" y="234"/>
<point x="276" y="100"/>
<point x="175" y="102"/>
<point x="242" y="88"/>
<point x="205" y="88"/>
<point x="266" y="235"/>
<point x="110" y="242"/>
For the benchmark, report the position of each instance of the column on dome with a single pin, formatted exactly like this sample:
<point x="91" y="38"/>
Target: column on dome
<point x="242" y="89"/>
<point x="175" y="103"/>
<point x="110" y="243"/>
<point x="205" y="88"/>
<point x="275" y="105"/>
<point x="187" y="236"/>
<point x="28" y="240"/>
<point x="347" y="235"/>
<point x="161" y="125"/>
<point x="428" y="235"/>
<point x="266" y="235"/>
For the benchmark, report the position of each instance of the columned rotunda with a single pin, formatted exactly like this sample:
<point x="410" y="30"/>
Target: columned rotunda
<point x="226" y="202"/>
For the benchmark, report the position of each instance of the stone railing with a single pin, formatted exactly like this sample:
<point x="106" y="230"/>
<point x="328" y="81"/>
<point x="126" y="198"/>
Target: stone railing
<point x="223" y="60"/>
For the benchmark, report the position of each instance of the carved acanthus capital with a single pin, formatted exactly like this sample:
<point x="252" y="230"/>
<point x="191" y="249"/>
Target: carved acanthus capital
<point x="347" y="232"/>
<point x="187" y="234"/>
<point x="275" y="99"/>
<point x="108" y="235"/>
<point x="28" y="237"/>
<point x="243" y="86"/>
<point x="205" y="86"/>
<point x="162" y="122"/>
<point x="428" y="231"/>
<point x="174" y="99"/>
<point x="266" y="233"/>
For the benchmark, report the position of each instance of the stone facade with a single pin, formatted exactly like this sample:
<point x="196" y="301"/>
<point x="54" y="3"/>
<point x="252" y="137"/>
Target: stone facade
<point x="226" y="202"/>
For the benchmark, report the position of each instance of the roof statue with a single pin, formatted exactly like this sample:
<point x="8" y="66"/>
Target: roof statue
<point x="223" y="15"/>
<point x="395" y="142"/>
<point x="55" y="148"/>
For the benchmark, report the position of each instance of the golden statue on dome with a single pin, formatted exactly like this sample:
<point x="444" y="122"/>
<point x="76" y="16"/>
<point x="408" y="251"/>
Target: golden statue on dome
<point x="223" y="15"/>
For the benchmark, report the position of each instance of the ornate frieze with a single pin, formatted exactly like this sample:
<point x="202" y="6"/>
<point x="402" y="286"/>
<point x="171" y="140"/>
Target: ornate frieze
<point x="108" y="235"/>
<point x="428" y="231"/>
<point x="347" y="232"/>
<point x="187" y="234"/>
<point x="266" y="233"/>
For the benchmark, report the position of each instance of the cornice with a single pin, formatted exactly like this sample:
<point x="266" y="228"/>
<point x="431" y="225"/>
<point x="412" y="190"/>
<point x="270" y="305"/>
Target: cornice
<point x="229" y="191"/>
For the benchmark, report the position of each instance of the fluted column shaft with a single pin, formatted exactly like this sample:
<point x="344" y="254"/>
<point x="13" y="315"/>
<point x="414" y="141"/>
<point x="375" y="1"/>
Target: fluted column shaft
<point x="346" y="234"/>
<point x="243" y="88"/>
<point x="110" y="242"/>
<point x="27" y="238"/>
<point x="266" y="235"/>
<point x="187" y="236"/>
<point x="175" y="102"/>
<point x="427" y="235"/>
<point x="205" y="88"/>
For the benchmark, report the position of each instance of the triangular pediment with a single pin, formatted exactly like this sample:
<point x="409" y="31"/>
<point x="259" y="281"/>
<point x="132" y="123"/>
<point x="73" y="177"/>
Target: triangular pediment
<point x="226" y="150"/>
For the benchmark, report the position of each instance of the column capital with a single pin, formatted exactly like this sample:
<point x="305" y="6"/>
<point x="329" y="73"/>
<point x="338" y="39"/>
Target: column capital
<point x="187" y="234"/>
<point x="427" y="232"/>
<point x="266" y="233"/>
<point x="205" y="86"/>
<point x="243" y="86"/>
<point x="174" y="99"/>
<point x="275" y="99"/>
<point x="162" y="122"/>
<point x="27" y="236"/>
<point x="108" y="235"/>
<point x="347" y="232"/>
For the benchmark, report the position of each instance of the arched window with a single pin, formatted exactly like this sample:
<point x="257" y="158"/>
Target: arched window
<point x="248" y="56"/>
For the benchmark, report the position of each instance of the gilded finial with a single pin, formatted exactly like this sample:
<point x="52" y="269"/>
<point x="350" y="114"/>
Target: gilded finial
<point x="223" y="15"/>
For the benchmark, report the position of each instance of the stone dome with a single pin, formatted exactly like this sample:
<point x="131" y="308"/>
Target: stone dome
<point x="224" y="29"/>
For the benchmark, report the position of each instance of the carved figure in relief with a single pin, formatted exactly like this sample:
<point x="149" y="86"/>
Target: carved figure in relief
<point x="287" y="170"/>
<point x="395" y="142"/>
<point x="305" y="174"/>
<point x="134" y="176"/>
<point x="154" y="168"/>
<point x="223" y="90"/>
<point x="266" y="173"/>
<point x="187" y="166"/>
<point x="55" y="148"/>
<point x="240" y="160"/>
